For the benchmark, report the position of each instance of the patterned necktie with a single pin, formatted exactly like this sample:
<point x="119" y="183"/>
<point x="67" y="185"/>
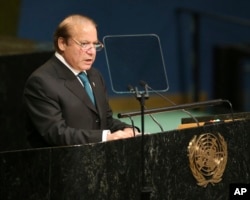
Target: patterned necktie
<point x="83" y="77"/>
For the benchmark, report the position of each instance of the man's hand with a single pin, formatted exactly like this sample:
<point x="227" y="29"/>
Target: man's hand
<point x="132" y="131"/>
<point x="122" y="134"/>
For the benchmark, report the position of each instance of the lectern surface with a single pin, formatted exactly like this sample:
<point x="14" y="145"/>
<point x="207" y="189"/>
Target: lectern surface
<point x="113" y="170"/>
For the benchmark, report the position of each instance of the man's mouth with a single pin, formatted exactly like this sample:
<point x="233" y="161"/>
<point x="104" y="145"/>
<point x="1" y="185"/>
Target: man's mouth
<point x="89" y="61"/>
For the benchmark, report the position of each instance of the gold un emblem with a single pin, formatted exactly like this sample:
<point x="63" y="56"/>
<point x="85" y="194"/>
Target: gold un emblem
<point x="207" y="158"/>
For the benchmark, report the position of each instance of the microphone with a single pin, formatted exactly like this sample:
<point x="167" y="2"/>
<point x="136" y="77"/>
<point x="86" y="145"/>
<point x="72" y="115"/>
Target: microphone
<point x="134" y="91"/>
<point x="131" y="89"/>
<point x="144" y="84"/>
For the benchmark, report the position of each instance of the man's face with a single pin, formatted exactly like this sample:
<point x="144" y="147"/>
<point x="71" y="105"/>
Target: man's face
<point x="79" y="50"/>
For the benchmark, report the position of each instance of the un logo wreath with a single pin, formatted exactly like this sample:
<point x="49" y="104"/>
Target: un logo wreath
<point x="207" y="158"/>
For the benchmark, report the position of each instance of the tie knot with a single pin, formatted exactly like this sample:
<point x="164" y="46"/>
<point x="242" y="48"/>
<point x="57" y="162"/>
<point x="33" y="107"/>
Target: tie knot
<point x="83" y="77"/>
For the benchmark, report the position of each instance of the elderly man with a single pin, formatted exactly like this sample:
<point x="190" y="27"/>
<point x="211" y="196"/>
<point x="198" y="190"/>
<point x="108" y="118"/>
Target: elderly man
<point x="66" y="99"/>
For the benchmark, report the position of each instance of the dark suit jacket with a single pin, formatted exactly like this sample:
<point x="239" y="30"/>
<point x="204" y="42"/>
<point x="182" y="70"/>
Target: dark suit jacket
<point x="59" y="112"/>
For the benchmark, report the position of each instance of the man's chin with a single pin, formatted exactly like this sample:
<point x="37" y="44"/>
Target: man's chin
<point x="86" y="67"/>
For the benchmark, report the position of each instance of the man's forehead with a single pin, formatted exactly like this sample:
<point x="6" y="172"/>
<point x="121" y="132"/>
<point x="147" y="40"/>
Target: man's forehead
<point x="77" y="19"/>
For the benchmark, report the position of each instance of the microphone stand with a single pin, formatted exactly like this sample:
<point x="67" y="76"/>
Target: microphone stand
<point x="141" y="97"/>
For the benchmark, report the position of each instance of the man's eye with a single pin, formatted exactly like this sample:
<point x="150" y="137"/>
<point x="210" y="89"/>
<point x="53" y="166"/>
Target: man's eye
<point x="84" y="44"/>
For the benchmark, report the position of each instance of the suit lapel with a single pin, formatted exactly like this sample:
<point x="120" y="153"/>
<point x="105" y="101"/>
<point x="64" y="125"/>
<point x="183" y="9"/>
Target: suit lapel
<point x="73" y="84"/>
<point x="75" y="87"/>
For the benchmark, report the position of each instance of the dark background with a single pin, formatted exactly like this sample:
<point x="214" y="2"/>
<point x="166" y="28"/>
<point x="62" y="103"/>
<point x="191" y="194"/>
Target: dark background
<point x="205" y="46"/>
<point x="189" y="32"/>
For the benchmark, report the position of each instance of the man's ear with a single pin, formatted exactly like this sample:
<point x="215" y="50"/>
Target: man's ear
<point x="61" y="43"/>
